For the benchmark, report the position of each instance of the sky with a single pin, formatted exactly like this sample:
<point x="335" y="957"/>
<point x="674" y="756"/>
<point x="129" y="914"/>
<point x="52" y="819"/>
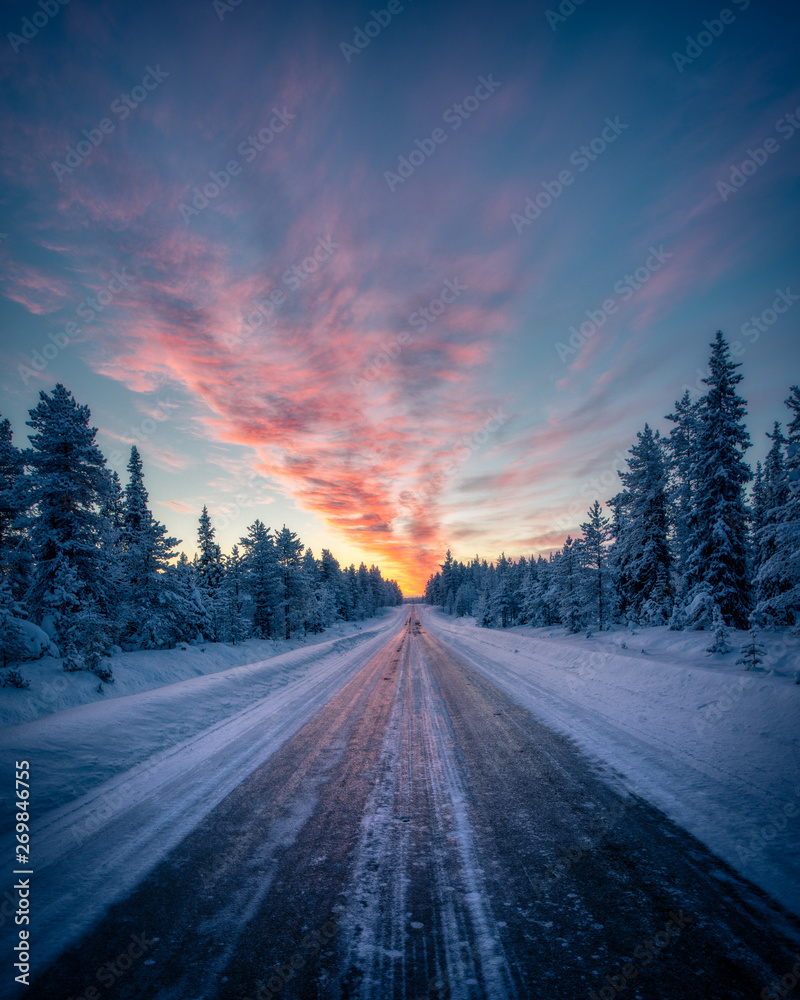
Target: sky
<point x="402" y="277"/>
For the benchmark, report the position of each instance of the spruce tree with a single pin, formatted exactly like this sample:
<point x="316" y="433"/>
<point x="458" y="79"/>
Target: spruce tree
<point x="647" y="563"/>
<point x="69" y="483"/>
<point x="233" y="600"/>
<point x="717" y="566"/>
<point x="621" y="557"/>
<point x="262" y="580"/>
<point x="596" y="533"/>
<point x="681" y="450"/>
<point x="147" y="551"/>
<point x="210" y="571"/>
<point x="15" y="559"/>
<point x="289" y="550"/>
<point x="569" y="585"/>
<point x="787" y="521"/>
<point x="772" y="571"/>
<point x="752" y="653"/>
<point x="758" y="510"/>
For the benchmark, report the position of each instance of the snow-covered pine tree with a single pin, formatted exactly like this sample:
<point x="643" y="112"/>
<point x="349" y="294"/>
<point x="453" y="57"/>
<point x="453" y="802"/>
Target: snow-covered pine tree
<point x="350" y="593"/>
<point x="721" y="634"/>
<point x="466" y="596"/>
<point x="320" y="607"/>
<point x="758" y="506"/>
<point x="787" y="528"/>
<point x="13" y="644"/>
<point x="529" y="594"/>
<point x="146" y="553"/>
<point x="484" y="614"/>
<point x="752" y="653"/>
<point x="209" y="555"/>
<point x="681" y="450"/>
<point x="289" y="550"/>
<point x="116" y="580"/>
<point x="364" y="603"/>
<point x="335" y="582"/>
<point x="621" y="556"/>
<point x="209" y="567"/>
<point x="113" y="507"/>
<point x="232" y="600"/>
<point x="647" y="563"/>
<point x="596" y="533"/>
<point x="263" y="580"/>
<point x="717" y="566"/>
<point x="183" y="613"/>
<point x="68" y="485"/>
<point x="15" y="558"/>
<point x="549" y="590"/>
<point x="568" y="577"/>
<point x="501" y="596"/>
<point x="772" y="576"/>
<point x="448" y="590"/>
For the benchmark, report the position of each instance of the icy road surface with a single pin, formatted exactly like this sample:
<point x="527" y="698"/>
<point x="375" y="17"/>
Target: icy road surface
<point x="419" y="836"/>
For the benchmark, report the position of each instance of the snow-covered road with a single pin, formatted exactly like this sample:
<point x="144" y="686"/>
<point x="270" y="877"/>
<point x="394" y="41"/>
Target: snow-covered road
<point x="389" y="824"/>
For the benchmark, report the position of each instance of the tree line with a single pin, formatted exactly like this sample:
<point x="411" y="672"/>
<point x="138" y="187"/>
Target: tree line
<point x="85" y="565"/>
<point x="686" y="542"/>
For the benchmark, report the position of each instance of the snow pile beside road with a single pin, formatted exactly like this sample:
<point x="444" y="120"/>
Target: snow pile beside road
<point x="714" y="746"/>
<point x="51" y="690"/>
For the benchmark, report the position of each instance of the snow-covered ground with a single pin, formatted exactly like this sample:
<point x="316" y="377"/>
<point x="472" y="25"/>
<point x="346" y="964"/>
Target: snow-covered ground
<point x="714" y="746"/>
<point x="117" y="783"/>
<point x="51" y="690"/>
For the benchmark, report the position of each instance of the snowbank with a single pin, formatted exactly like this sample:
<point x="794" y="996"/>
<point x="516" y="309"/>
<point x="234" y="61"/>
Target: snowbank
<point x="52" y="690"/>
<point x="714" y="746"/>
